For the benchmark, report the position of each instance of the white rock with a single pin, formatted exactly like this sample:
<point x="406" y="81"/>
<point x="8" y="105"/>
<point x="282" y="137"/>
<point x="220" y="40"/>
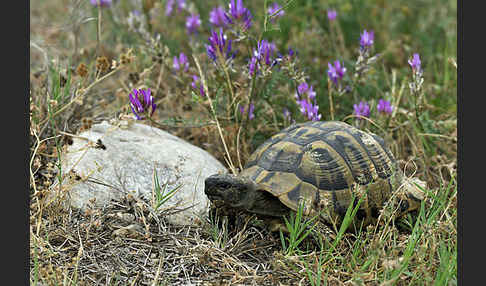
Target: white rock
<point x="127" y="164"/>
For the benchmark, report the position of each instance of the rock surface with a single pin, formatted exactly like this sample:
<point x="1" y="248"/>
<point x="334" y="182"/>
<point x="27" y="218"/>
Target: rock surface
<point x="124" y="161"/>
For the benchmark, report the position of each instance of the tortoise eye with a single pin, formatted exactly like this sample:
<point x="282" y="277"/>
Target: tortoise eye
<point x="404" y="205"/>
<point x="224" y="185"/>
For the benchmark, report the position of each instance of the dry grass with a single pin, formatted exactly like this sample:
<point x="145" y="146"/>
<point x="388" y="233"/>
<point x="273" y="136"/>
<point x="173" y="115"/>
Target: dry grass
<point x="126" y="243"/>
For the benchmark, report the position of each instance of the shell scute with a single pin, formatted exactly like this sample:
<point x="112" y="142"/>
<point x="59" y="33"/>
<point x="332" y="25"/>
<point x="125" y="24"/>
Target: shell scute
<point x="323" y="167"/>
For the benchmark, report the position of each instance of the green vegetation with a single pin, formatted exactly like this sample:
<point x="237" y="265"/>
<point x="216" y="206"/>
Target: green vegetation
<point x="227" y="95"/>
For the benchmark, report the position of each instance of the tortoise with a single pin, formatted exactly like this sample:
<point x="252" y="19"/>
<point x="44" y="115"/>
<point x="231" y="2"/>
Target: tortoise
<point x="319" y="165"/>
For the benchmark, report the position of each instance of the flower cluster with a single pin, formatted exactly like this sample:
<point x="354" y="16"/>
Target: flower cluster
<point x="415" y="63"/>
<point x="101" y="3"/>
<point x="273" y="9"/>
<point x="362" y="109"/>
<point x="263" y="58"/>
<point x="217" y="18"/>
<point x="238" y="15"/>
<point x="196" y="84"/>
<point x="384" y="106"/>
<point x="180" y="62"/>
<point x="142" y="103"/>
<point x="169" y="6"/>
<point x="365" y="60"/>
<point x="219" y="47"/>
<point x="417" y="79"/>
<point x="291" y="53"/>
<point x="367" y="39"/>
<point x="193" y="22"/>
<point x="331" y="15"/>
<point x="308" y="105"/>
<point x="253" y="66"/>
<point x="250" y="110"/>
<point x="336" y="72"/>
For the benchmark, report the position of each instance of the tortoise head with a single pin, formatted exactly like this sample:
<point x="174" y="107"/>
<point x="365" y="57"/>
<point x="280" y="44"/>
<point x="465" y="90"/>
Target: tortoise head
<point x="242" y="193"/>
<point x="229" y="190"/>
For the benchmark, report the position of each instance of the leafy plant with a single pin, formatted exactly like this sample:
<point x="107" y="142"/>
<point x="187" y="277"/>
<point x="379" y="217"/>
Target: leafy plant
<point x="298" y="228"/>
<point x="161" y="193"/>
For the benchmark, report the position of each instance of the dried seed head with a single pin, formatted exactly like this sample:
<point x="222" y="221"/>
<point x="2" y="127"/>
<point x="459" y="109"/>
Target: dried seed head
<point x="133" y="77"/>
<point x="82" y="70"/>
<point x="102" y="64"/>
<point x="158" y="58"/>
<point x="126" y="58"/>
<point x="87" y="123"/>
<point x="123" y="59"/>
<point x="79" y="100"/>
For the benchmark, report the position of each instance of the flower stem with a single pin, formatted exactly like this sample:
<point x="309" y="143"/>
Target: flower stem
<point x="416" y="97"/>
<point x="230" y="87"/>
<point x="417" y="113"/>
<point x="331" y="107"/>
<point x="206" y="90"/>
<point x="98" y="34"/>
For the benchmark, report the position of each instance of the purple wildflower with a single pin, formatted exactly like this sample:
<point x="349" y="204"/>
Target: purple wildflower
<point x="216" y="17"/>
<point x="308" y="106"/>
<point x="336" y="72"/>
<point x="384" y="106"/>
<point x="331" y="14"/>
<point x="274" y="8"/>
<point x="304" y="88"/>
<point x="180" y="61"/>
<point x="417" y="78"/>
<point x="265" y="51"/>
<point x="238" y="13"/>
<point x="291" y="52"/>
<point x="219" y="46"/>
<point x="250" y="110"/>
<point x="181" y="4"/>
<point x="140" y="102"/>
<point x="365" y="59"/>
<point x="196" y="84"/>
<point x="169" y="6"/>
<point x="362" y="109"/>
<point x="101" y="3"/>
<point x="366" y="39"/>
<point x="253" y="67"/>
<point x="193" y="22"/>
<point x="415" y="63"/>
<point x="263" y="57"/>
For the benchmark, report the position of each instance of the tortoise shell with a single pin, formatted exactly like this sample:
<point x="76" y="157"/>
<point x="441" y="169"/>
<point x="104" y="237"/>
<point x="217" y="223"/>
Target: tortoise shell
<point x="322" y="164"/>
